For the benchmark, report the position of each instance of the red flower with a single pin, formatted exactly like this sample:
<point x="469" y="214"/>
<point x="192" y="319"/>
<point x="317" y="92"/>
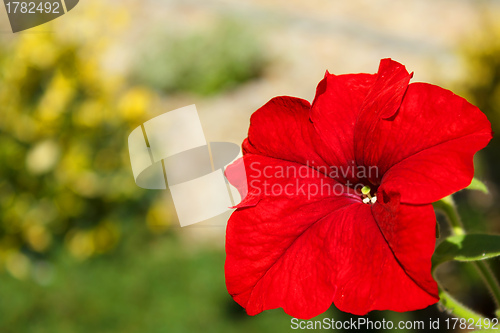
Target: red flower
<point x="306" y="235"/>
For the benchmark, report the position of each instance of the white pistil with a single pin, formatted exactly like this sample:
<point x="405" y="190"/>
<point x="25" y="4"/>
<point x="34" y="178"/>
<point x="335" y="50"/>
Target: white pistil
<point x="366" y="200"/>
<point x="373" y="199"/>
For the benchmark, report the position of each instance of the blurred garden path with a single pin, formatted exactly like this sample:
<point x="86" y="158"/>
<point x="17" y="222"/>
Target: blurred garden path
<point x="304" y="38"/>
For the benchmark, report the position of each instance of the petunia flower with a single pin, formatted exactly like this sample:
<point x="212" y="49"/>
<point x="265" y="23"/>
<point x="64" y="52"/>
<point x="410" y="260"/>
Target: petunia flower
<point x="338" y="193"/>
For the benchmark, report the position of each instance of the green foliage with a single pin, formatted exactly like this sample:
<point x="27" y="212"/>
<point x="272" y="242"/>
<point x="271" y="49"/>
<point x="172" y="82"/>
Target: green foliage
<point x="205" y="63"/>
<point x="477" y="185"/>
<point x="472" y="247"/>
<point x="481" y="54"/>
<point x="148" y="284"/>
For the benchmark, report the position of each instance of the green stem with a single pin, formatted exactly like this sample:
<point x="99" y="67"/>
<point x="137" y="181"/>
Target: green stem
<point x="490" y="279"/>
<point x="447" y="206"/>
<point x="457" y="308"/>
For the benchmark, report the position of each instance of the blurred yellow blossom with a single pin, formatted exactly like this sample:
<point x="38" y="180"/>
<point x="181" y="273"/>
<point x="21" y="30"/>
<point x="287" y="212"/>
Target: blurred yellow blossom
<point x="66" y="178"/>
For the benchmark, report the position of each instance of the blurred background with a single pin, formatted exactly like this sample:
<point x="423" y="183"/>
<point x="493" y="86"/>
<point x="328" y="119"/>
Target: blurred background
<point x="83" y="249"/>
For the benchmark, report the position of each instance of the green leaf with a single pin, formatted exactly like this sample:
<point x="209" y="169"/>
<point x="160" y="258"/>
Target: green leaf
<point x="477" y="185"/>
<point x="471" y="247"/>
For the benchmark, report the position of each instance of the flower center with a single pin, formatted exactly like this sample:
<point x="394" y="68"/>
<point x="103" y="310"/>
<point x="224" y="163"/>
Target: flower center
<point x="366" y="195"/>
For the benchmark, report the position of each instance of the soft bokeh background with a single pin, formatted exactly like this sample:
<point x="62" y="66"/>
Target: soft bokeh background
<point x="83" y="249"/>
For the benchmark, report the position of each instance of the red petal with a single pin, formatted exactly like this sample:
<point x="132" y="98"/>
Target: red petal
<point x="426" y="151"/>
<point x="381" y="103"/>
<point x="386" y="94"/>
<point x="281" y="129"/>
<point x="301" y="251"/>
<point x="385" y="261"/>
<point x="334" y="112"/>
<point x="236" y="174"/>
<point x="274" y="250"/>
